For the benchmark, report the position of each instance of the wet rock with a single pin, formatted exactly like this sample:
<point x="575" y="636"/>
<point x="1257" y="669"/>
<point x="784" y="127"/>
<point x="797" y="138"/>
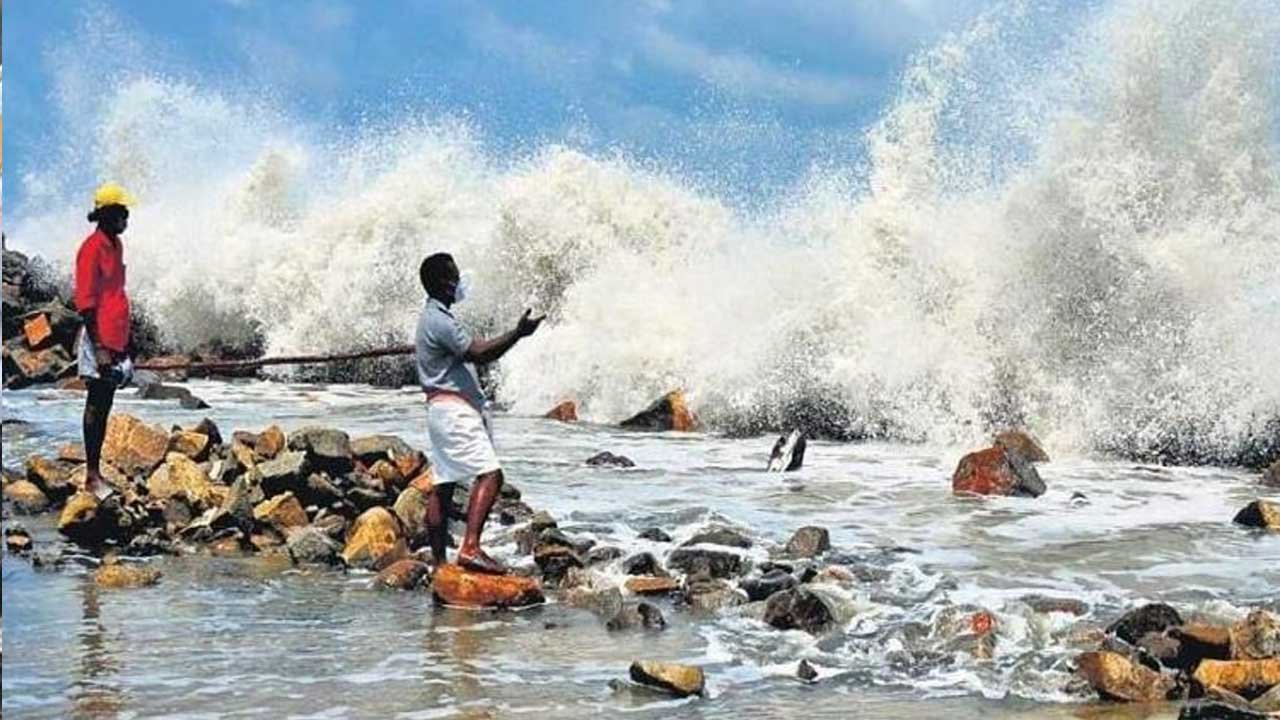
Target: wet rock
<point x="692" y="561"/>
<point x="1043" y="604"/>
<point x="452" y="585"/>
<point x="669" y="412"/>
<point x="17" y="541"/>
<point x="642" y="564"/>
<point x="209" y="429"/>
<point x="1152" y="618"/>
<point x="72" y="453"/>
<point x="289" y="471"/>
<point x="603" y="554"/>
<point x="637" y="615"/>
<point x="118" y="576"/>
<point x="181" y="476"/>
<point x="541" y="521"/>
<point x="411" y="509"/>
<point x="799" y="608"/>
<point x="311" y="545"/>
<point x="679" y="680"/>
<point x="90" y="523"/>
<point x="374" y="541"/>
<point x="270" y="443"/>
<point x="326" y="449"/>
<point x="1268" y="701"/>
<point x="763" y="587"/>
<point x="1017" y="441"/>
<point x="787" y="454"/>
<point x="554" y="561"/>
<point x="387" y="474"/>
<point x="515" y="512"/>
<point x="1260" y="514"/>
<point x="966" y="628"/>
<point x="566" y="411"/>
<point x="719" y="536"/>
<point x="556" y="536"/>
<point x="191" y="444"/>
<point x="996" y="472"/>
<point x="805" y="671"/>
<point x="651" y="585"/>
<point x="1115" y="677"/>
<point x="152" y="541"/>
<point x="608" y="459"/>
<point x="134" y="446"/>
<point x="604" y="602"/>
<point x="809" y="542"/>
<point x="1218" y="710"/>
<point x="32" y="367"/>
<point x="402" y="575"/>
<point x="654" y="534"/>
<point x="1257" y="636"/>
<point x="281" y="513"/>
<point x="51" y="477"/>
<point x="331" y="523"/>
<point x="709" y="595"/>
<point x="1196" y="642"/>
<point x="321" y="491"/>
<point x="369" y="450"/>
<point x="366" y="498"/>
<point x="1249" y="678"/>
<point x="27" y="499"/>
<point x="244" y="495"/>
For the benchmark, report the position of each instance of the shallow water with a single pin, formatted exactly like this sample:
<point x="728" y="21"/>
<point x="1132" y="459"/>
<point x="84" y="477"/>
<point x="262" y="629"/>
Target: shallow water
<point x="236" y="638"/>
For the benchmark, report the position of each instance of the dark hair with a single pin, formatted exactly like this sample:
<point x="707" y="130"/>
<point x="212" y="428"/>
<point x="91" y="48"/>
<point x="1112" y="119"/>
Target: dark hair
<point x="98" y="215"/>
<point x="433" y="269"/>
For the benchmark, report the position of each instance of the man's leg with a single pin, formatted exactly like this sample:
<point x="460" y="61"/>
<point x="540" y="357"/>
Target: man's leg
<point x="483" y="496"/>
<point x="437" y="521"/>
<point x="97" y="409"/>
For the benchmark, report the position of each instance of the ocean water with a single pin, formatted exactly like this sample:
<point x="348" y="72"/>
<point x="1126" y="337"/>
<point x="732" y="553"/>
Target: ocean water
<point x="255" y="637"/>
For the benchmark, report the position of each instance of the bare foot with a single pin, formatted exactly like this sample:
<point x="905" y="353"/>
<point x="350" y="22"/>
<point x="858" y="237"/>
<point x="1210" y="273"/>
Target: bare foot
<point x="481" y="563"/>
<point x="96" y="486"/>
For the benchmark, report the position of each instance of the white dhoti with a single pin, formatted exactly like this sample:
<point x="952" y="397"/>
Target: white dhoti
<point x="461" y="441"/>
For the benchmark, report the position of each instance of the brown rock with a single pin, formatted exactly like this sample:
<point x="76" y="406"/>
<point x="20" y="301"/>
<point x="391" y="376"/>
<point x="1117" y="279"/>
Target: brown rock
<point x="26" y="497"/>
<point x="1200" y="641"/>
<point x="229" y="546"/>
<point x="281" y="512"/>
<point x="651" y="585"/>
<point x="808" y="542"/>
<point x="17" y="541"/>
<point x="411" y="509"/>
<point x="78" y="515"/>
<point x="669" y="412"/>
<point x="117" y="576"/>
<point x="244" y="456"/>
<point x="133" y="446"/>
<point x="1020" y="442"/>
<point x="1257" y="637"/>
<point x="1244" y="677"/>
<point x="37" y="330"/>
<point x="566" y="411"/>
<point x="679" y="680"/>
<point x="387" y="473"/>
<point x="1115" y="677"/>
<point x="39" y="366"/>
<point x="52" y="477"/>
<point x="72" y="384"/>
<point x="1272" y="476"/>
<point x="1260" y="514"/>
<point x="180" y="476"/>
<point x="402" y="575"/>
<point x="711" y="595"/>
<point x="270" y="442"/>
<point x="72" y="453"/>
<point x="411" y="464"/>
<point x="996" y="472"/>
<point x="375" y="540"/>
<point x="452" y="585"/>
<point x="192" y="444"/>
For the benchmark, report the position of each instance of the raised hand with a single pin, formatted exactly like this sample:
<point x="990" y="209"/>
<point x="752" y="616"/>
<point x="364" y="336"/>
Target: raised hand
<point x="528" y="325"/>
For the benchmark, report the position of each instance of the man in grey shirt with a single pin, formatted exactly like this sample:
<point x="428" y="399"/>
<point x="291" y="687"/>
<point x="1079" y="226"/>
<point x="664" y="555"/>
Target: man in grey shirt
<point x="457" y="410"/>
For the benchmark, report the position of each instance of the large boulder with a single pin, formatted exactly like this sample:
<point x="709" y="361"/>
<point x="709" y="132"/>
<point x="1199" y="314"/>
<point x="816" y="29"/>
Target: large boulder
<point x="995" y="471"/>
<point x="134" y="446"/>
<point x="1115" y="677"/>
<point x="453" y="585"/>
<point x="326" y="449"/>
<point x="180" y="476"/>
<point x="1260" y="514"/>
<point x="714" y="563"/>
<point x="1017" y="441"/>
<point x="27" y="499"/>
<point x="375" y="540"/>
<point x="669" y="412"/>
<point x="679" y="680"/>
<point x="1248" y="678"/>
<point x="800" y="608"/>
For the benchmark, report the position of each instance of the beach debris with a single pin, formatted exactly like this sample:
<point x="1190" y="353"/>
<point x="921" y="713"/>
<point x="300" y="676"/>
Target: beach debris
<point x="809" y="541"/>
<point x="995" y="471"/>
<point x="679" y="680"/>
<point x="788" y="452"/>
<point x="565" y="411"/>
<point x="1259" y="514"/>
<point x="1018" y="441"/>
<point x="608" y="459"/>
<point x="669" y="412"/>
<point x="453" y="585"/>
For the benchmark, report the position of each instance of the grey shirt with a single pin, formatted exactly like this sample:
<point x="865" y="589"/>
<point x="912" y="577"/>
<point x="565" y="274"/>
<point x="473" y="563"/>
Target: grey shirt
<point x="441" y="344"/>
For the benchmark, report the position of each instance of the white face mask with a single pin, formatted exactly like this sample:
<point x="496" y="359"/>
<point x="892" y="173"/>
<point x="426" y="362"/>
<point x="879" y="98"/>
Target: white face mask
<point x="462" y="289"/>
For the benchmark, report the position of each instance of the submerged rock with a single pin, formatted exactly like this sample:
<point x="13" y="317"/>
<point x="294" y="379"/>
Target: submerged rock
<point x="1207" y="709"/>
<point x="374" y="541"/>
<point x="1115" y="677"/>
<point x="669" y="412"/>
<point x="718" y="564"/>
<point x="642" y="615"/>
<point x="799" y="608"/>
<point x="1260" y="514"/>
<point x="120" y="576"/>
<point x="566" y="411"/>
<point x="452" y="585"/>
<point x="995" y="471"/>
<point x="679" y="680"/>
<point x="809" y="542"/>
<point x="17" y="540"/>
<point x="1017" y="441"/>
<point x="805" y="671"/>
<point x="608" y="459"/>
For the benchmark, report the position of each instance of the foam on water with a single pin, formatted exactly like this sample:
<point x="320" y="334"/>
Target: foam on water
<point x="1078" y="232"/>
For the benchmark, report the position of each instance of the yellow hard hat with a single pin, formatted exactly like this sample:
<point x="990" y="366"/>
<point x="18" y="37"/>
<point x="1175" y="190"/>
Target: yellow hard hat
<point x="111" y="194"/>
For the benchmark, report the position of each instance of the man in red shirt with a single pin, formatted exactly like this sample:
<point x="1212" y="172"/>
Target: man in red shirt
<point x="104" y="339"/>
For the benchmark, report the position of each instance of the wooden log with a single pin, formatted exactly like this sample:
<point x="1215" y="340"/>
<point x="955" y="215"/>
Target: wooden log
<point x="236" y="365"/>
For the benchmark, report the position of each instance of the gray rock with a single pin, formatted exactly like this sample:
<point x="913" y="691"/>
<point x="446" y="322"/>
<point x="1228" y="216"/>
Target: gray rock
<point x="761" y="588"/>
<point x="1218" y="710"/>
<point x="643" y="564"/>
<point x="805" y="671"/>
<point x="1152" y="618"/>
<point x="603" y="554"/>
<point x="326" y="448"/>
<point x="637" y="615"/>
<point x="288" y="472"/>
<point x="799" y="608"/>
<point x="311" y="545"/>
<point x="608" y="459"/>
<point x="655" y="534"/>
<point x="692" y="561"/>
<point x="712" y="595"/>
<point x="809" y="542"/>
<point x="369" y="450"/>
<point x="719" y="536"/>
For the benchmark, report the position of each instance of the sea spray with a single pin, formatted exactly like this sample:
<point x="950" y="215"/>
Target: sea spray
<point x="1082" y="239"/>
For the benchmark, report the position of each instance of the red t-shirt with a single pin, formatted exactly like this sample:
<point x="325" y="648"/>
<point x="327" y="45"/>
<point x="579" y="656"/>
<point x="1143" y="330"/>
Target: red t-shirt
<point x="100" y="287"/>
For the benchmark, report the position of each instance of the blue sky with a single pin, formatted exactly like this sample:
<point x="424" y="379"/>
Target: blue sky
<point x="737" y="96"/>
